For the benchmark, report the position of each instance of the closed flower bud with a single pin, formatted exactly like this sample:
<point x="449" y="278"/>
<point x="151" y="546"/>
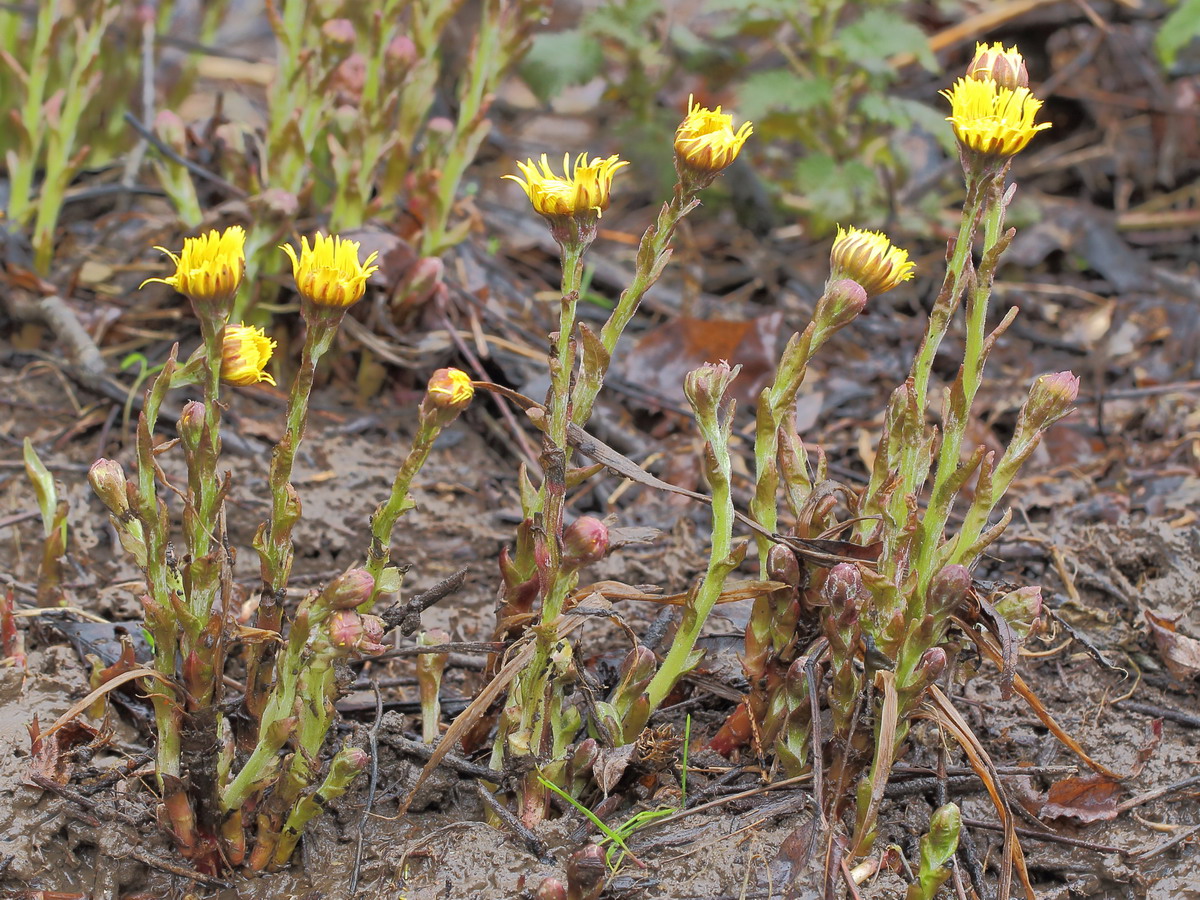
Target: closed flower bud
<point x="947" y="590"/>
<point x="1005" y="67"/>
<point x="169" y="129"/>
<point x="349" y="762"/>
<point x="586" y="872"/>
<point x="584" y="542"/>
<point x="350" y="589"/>
<point x="841" y="589"/>
<point x="401" y="52"/>
<point x="1022" y="609"/>
<point x="245" y="352"/>
<point x="108" y="481"/>
<point x="868" y="258"/>
<point x="840" y="304"/>
<point x="782" y="565"/>
<point x="932" y="664"/>
<point x="339" y="32"/>
<point x="350" y="631"/>
<point x="706" y="386"/>
<point x="191" y="424"/>
<point x="1051" y="398"/>
<point x="422" y="281"/>
<point x="551" y="889"/>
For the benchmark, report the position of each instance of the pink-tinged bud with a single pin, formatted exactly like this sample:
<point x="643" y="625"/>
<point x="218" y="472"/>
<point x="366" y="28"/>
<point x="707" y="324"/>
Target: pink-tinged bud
<point x="585" y="756"/>
<point x="841" y="304"/>
<point x="1051" y="398"/>
<point x="551" y="889"/>
<point x="449" y="391"/>
<point x="191" y="425"/>
<point x="932" y="664"/>
<point x="947" y="590"/>
<point x="441" y="126"/>
<point x="108" y="481"/>
<point x="586" y="871"/>
<point x="339" y="33"/>
<point x="350" y="76"/>
<point x="354" y="758"/>
<point x="1022" y="609"/>
<point x="841" y="589"/>
<point x="783" y="566"/>
<point x="584" y="542"/>
<point x="352" y="632"/>
<point x="422" y="280"/>
<point x="706" y="386"/>
<point x="1005" y="67"/>
<point x="350" y="589"/>
<point x="401" y="52"/>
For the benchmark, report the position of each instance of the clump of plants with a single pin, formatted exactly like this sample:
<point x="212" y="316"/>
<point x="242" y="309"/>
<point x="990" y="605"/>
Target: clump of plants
<point x="863" y="597"/>
<point x="240" y="776"/>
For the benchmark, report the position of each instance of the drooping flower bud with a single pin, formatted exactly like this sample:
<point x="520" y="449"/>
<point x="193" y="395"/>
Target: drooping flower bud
<point x="840" y="304"/>
<point x="551" y="889"/>
<point x="1005" y="67"/>
<point x="782" y="565"/>
<point x="350" y="589"/>
<point x="449" y="391"/>
<point x="108" y="481"/>
<point x="870" y="259"/>
<point x="586" y="871"/>
<point x="191" y="425"/>
<point x="585" y="542"/>
<point x="245" y="352"/>
<point x="354" y="632"/>
<point x="932" y="664"/>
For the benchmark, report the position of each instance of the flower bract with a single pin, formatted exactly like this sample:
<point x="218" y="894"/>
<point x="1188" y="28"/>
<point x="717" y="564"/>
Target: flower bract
<point x="991" y="119"/>
<point x="581" y="190"/>
<point x="705" y="140"/>
<point x="245" y="352"/>
<point x="329" y="273"/>
<point x="870" y="259"/>
<point x="209" y="268"/>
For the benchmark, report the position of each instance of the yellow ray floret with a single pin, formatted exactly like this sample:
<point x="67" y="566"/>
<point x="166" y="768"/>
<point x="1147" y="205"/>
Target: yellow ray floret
<point x="209" y="267"/>
<point x="451" y="388"/>
<point x="1004" y="66"/>
<point x="705" y="139"/>
<point x="245" y="352"/>
<point x="328" y="273"/>
<point x="869" y="258"/>
<point x="991" y="119"/>
<point x="585" y="189"/>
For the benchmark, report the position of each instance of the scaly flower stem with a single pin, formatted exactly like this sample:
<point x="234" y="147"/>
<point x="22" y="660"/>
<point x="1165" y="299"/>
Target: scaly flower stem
<point x="679" y="658"/>
<point x="654" y="252"/>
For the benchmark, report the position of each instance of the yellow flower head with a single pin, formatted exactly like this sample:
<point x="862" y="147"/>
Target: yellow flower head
<point x="870" y="259"/>
<point x="209" y="268"/>
<point x="245" y="352"/>
<point x="328" y="273"/>
<point x="583" y="191"/>
<point x="1005" y="67"/>
<point x="705" y="140"/>
<point x="990" y="119"/>
<point x="450" y="389"/>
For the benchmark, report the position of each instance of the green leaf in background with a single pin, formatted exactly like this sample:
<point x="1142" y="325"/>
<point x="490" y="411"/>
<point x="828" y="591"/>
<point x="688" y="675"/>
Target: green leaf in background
<point x="833" y="192"/>
<point x="780" y="91"/>
<point x="43" y="487"/>
<point x="902" y="113"/>
<point x="880" y="34"/>
<point x="1179" y="28"/>
<point x="561" y="59"/>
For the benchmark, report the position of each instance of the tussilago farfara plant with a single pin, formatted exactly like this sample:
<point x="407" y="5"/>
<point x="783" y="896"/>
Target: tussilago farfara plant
<point x="861" y="625"/>
<point x="247" y="802"/>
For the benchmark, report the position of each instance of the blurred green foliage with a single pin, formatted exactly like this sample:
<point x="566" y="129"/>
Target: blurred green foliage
<point x="1180" y="28"/>
<point x="817" y="78"/>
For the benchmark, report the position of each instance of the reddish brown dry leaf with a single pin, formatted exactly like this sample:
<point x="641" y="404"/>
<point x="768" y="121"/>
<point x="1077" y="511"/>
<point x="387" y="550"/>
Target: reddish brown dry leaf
<point x="49" y="756"/>
<point x="667" y="353"/>
<point x="1084" y="798"/>
<point x="1179" y="652"/>
<point x="611" y="765"/>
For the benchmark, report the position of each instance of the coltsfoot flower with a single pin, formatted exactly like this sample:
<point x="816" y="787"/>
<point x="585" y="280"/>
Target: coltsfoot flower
<point x="582" y="190"/>
<point x="991" y="119"/>
<point x="209" y="268"/>
<point x="705" y="142"/>
<point x="450" y="389"/>
<point x="1005" y="67"/>
<point x="329" y="273"/>
<point x="870" y="259"/>
<point x="245" y="352"/>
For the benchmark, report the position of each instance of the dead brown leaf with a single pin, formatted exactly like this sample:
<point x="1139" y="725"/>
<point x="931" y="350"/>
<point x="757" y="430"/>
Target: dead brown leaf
<point x="1084" y="798"/>
<point x="1179" y="652"/>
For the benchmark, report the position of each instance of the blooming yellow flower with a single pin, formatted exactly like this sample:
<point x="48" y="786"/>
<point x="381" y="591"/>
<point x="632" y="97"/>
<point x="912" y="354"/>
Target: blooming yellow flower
<point x="1005" y="67"/>
<point x="450" y="388"/>
<point x="245" y="352"/>
<point x="870" y="259"/>
<point x="990" y="119"/>
<point x="583" y="190"/>
<point x="209" y="268"/>
<point x="328" y="273"/>
<point x="705" y="140"/>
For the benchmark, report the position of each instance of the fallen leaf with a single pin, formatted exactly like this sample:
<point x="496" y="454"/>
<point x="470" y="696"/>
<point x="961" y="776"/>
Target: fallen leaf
<point x="1084" y="798"/>
<point x="611" y="765"/>
<point x="1179" y="652"/>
